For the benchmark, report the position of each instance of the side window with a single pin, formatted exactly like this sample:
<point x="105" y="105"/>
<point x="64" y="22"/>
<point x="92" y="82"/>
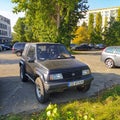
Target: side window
<point x="117" y="51"/>
<point x="25" y="50"/>
<point x="110" y="50"/>
<point x="31" y="52"/>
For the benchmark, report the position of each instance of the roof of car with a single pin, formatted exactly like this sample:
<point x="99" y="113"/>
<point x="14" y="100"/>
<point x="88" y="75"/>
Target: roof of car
<point x="20" y="43"/>
<point x="49" y="43"/>
<point x="113" y="46"/>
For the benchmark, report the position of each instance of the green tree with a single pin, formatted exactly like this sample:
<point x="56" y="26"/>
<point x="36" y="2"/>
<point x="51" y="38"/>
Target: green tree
<point x="112" y="36"/>
<point x="98" y="28"/>
<point x="19" y="29"/>
<point x="118" y="15"/>
<point x="14" y="37"/>
<point x="105" y="29"/>
<point x="106" y="22"/>
<point x="51" y="20"/>
<point x="91" y="27"/>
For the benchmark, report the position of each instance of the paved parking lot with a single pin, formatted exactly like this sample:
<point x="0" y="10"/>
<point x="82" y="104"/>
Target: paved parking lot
<point x="16" y="96"/>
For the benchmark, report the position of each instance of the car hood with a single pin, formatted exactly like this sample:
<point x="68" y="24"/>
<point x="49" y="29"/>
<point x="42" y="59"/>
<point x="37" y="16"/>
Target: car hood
<point x="62" y="64"/>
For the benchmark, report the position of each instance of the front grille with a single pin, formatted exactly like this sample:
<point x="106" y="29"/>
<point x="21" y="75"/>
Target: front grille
<point x="72" y="75"/>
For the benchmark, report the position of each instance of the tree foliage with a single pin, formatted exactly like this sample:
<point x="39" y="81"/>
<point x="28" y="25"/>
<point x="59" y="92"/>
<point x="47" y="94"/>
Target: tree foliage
<point x="91" y="23"/>
<point x="14" y="37"/>
<point x="112" y="36"/>
<point x="118" y="15"/>
<point x="105" y="27"/>
<point x="19" y="28"/>
<point x="95" y="28"/>
<point x="91" y="27"/>
<point x="106" y="22"/>
<point x="51" y="20"/>
<point x="98" y="29"/>
<point x="81" y="35"/>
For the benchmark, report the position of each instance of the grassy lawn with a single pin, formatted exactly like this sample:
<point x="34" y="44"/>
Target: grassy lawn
<point x="103" y="107"/>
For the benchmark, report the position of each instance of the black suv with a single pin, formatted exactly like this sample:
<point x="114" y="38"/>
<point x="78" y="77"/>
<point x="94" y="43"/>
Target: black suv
<point x="52" y="68"/>
<point x="18" y="48"/>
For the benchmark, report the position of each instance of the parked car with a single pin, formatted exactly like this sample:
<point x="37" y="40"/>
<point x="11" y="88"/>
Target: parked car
<point x="92" y="45"/>
<point x="52" y="68"/>
<point x="83" y="47"/>
<point x="5" y="47"/>
<point x="100" y="46"/>
<point x="18" y="48"/>
<point x="111" y="56"/>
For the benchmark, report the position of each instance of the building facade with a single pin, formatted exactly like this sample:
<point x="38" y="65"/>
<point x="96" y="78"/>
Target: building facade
<point x="105" y="12"/>
<point x="5" y="30"/>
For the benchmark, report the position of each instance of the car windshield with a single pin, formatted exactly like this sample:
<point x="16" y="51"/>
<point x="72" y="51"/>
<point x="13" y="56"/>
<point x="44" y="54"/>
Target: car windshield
<point x="52" y="51"/>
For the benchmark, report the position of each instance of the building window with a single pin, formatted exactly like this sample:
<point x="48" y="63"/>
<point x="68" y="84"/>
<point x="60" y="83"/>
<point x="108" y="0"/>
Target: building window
<point x="3" y="26"/>
<point x="2" y="32"/>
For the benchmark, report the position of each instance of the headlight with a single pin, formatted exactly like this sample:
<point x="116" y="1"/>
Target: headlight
<point x="56" y="76"/>
<point x="85" y="72"/>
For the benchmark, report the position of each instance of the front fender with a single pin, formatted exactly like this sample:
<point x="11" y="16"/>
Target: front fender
<point x="39" y="74"/>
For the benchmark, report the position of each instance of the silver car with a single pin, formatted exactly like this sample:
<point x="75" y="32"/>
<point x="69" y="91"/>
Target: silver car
<point x="111" y="56"/>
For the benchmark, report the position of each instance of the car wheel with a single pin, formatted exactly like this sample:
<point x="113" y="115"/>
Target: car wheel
<point x="109" y="63"/>
<point x="18" y="53"/>
<point x="22" y="74"/>
<point x="84" y="88"/>
<point x="41" y="95"/>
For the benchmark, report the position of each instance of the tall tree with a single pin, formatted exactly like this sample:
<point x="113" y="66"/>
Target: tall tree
<point x="98" y="28"/>
<point x="105" y="28"/>
<point x="118" y="15"/>
<point x="91" y="23"/>
<point x="52" y="20"/>
<point x="91" y="27"/>
<point x="106" y="22"/>
<point x="19" y="28"/>
<point x="112" y="35"/>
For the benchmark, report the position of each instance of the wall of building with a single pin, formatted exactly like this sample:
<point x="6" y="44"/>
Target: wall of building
<point x="105" y="12"/>
<point x="5" y="29"/>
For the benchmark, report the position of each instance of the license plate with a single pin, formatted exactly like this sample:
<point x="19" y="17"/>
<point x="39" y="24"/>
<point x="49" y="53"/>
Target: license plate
<point x="75" y="83"/>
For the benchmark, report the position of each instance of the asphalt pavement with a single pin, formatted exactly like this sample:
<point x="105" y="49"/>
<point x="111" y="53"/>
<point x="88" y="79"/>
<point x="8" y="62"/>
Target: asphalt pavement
<point x="18" y="97"/>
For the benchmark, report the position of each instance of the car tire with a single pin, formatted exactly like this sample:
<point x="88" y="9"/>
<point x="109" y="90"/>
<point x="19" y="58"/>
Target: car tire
<point x="109" y="63"/>
<point x="23" y="77"/>
<point x="41" y="94"/>
<point x="84" y="88"/>
<point x="18" y="53"/>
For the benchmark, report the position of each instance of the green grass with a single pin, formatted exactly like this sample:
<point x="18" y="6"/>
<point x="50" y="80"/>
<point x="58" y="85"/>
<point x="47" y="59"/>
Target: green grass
<point x="103" y="107"/>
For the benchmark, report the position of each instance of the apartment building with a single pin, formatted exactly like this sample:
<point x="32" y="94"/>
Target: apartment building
<point x="105" y="12"/>
<point x="5" y="29"/>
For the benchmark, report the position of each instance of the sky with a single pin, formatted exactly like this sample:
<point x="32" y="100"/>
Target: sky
<point x="6" y="8"/>
<point x="96" y="4"/>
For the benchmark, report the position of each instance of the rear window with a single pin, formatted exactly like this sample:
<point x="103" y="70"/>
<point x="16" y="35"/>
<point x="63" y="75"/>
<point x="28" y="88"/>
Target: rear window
<point x="109" y="50"/>
<point x="19" y="45"/>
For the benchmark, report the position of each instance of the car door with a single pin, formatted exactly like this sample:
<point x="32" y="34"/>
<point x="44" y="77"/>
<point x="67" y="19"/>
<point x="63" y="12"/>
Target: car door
<point x="30" y="61"/>
<point x="117" y="57"/>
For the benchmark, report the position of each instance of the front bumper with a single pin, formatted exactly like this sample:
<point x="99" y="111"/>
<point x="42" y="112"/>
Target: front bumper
<point x="60" y="86"/>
